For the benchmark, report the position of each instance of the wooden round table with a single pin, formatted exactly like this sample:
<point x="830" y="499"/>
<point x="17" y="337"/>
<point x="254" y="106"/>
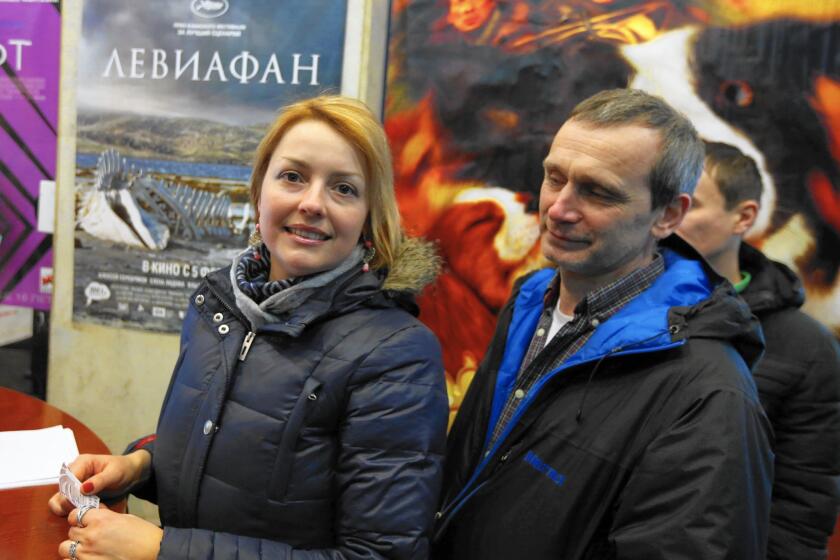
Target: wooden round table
<point x="27" y="528"/>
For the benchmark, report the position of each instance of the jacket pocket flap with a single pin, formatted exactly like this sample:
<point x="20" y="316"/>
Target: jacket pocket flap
<point x="283" y="463"/>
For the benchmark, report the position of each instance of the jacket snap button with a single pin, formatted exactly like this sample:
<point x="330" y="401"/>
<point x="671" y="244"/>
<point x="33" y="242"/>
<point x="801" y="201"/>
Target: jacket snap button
<point x="199" y="299"/>
<point x="519" y="393"/>
<point x="218" y="317"/>
<point x="438" y="515"/>
<point x="504" y="457"/>
<point x="595" y="322"/>
<point x="208" y="427"/>
<point x="312" y="396"/>
<point x="223" y="329"/>
<point x="540" y="332"/>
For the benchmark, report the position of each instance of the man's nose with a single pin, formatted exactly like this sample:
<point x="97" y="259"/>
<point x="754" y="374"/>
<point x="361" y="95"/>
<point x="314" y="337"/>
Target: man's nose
<point x="565" y="207"/>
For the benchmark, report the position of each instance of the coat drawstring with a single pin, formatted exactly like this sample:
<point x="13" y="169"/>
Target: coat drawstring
<point x="579" y="415"/>
<point x="673" y="329"/>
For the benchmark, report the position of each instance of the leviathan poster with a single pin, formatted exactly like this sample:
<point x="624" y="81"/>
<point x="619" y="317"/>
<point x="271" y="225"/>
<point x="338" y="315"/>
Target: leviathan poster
<point x="477" y="89"/>
<point x="30" y="36"/>
<point x="173" y="98"/>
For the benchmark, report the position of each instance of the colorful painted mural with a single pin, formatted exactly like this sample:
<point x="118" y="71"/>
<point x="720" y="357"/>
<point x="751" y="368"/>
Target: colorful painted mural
<point x="477" y="89"/>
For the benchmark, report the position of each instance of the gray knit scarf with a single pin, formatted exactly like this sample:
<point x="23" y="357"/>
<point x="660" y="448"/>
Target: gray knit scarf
<point x="273" y="307"/>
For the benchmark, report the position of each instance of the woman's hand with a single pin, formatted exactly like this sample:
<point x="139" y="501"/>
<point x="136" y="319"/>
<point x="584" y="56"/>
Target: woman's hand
<point x="103" y="472"/>
<point x="111" y="535"/>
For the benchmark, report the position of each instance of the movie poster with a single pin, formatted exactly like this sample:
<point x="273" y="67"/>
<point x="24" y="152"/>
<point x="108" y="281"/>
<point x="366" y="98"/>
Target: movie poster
<point x="30" y="40"/>
<point x="173" y="98"/>
<point x="477" y="89"/>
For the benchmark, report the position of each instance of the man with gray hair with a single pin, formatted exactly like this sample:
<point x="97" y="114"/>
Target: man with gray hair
<point x="614" y="415"/>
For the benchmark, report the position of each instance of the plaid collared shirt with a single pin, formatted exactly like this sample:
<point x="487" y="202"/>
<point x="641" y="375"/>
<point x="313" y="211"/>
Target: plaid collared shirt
<point x="598" y="306"/>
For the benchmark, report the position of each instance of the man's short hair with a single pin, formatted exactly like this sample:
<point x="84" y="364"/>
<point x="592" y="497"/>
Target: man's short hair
<point x="680" y="161"/>
<point x="735" y="174"/>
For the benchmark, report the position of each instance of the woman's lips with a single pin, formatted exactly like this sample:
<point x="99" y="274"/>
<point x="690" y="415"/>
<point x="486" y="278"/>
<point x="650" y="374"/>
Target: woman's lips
<point x="307" y="235"/>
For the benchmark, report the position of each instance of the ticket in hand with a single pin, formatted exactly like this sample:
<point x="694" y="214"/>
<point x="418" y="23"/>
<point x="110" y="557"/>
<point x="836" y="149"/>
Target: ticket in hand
<point x="71" y="488"/>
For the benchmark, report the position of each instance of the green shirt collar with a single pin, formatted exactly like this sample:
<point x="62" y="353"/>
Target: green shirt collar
<point x="745" y="281"/>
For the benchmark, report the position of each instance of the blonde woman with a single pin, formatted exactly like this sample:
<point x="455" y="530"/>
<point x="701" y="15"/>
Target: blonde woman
<point x="307" y="412"/>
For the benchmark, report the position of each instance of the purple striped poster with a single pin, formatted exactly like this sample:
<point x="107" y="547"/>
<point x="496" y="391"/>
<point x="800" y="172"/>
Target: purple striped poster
<point x="29" y="72"/>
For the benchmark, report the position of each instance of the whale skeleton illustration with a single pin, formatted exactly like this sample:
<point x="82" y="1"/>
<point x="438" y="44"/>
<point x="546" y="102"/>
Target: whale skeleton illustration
<point x="209" y="5"/>
<point x="127" y="206"/>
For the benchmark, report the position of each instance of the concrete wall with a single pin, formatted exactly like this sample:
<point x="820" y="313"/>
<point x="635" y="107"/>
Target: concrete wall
<point x="112" y="379"/>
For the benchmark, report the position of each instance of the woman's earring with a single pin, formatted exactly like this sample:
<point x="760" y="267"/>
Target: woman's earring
<point x="370" y="251"/>
<point x="255" y="238"/>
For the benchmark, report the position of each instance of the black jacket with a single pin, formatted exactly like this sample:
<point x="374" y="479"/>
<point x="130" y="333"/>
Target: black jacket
<point x="648" y="443"/>
<point x="798" y="382"/>
<point x="324" y="440"/>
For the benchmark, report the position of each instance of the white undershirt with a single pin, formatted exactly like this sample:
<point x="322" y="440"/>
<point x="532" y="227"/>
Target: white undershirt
<point x="558" y="319"/>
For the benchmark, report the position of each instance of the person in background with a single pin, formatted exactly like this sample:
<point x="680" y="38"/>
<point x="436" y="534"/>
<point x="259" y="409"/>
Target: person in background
<point x="798" y="378"/>
<point x="307" y="412"/>
<point x="469" y="15"/>
<point x="614" y="414"/>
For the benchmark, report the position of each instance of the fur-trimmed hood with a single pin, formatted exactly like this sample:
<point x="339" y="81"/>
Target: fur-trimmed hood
<point x="416" y="266"/>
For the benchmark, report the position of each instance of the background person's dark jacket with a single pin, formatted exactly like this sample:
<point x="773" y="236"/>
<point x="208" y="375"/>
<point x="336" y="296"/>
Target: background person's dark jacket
<point x="326" y="441"/>
<point x="798" y="381"/>
<point x="670" y="458"/>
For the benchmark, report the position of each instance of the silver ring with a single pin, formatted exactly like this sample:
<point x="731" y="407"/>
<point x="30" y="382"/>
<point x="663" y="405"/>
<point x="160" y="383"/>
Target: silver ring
<point x="73" y="546"/>
<point x="80" y="513"/>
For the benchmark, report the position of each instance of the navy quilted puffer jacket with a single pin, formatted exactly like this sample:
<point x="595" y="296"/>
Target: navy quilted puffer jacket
<point x="320" y="437"/>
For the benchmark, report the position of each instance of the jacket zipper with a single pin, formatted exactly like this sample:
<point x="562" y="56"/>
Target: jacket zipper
<point x="233" y="312"/>
<point x="246" y="345"/>
<point x="228" y="377"/>
<point x="249" y="338"/>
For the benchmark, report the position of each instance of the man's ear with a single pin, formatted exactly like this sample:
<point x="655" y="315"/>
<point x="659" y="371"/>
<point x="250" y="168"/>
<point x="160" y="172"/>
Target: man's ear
<point x="669" y="218"/>
<point x="745" y="214"/>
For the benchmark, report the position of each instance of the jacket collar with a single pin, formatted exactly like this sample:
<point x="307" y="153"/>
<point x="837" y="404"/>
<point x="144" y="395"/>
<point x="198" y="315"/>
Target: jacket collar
<point x="688" y="300"/>
<point x="415" y="266"/>
<point x="346" y="292"/>
<point x="774" y="286"/>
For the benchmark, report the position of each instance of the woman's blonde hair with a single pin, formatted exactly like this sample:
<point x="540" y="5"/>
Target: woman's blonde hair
<point x="357" y="124"/>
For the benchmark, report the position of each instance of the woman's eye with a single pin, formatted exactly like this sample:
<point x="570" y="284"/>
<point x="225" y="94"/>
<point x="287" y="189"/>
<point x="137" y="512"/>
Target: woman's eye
<point x="292" y="176"/>
<point x="345" y="189"/>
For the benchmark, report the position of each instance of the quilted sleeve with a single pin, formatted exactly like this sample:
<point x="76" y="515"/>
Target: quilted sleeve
<point x="806" y="490"/>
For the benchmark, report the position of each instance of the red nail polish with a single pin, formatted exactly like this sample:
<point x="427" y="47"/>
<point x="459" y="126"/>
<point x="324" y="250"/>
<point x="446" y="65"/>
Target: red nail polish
<point x="87" y="487"/>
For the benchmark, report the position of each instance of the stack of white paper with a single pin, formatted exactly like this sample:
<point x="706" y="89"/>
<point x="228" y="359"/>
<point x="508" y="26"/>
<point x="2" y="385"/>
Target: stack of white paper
<point x="34" y="457"/>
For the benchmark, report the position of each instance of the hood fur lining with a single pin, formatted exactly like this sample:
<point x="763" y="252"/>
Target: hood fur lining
<point x="416" y="266"/>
